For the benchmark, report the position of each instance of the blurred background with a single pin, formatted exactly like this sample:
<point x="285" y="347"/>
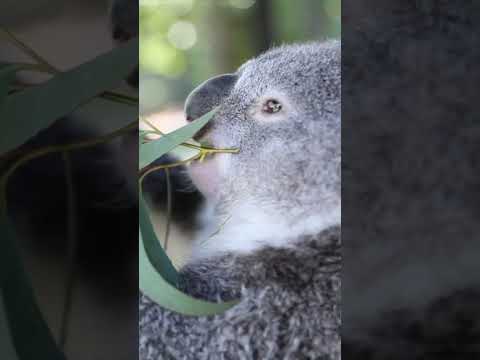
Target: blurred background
<point x="184" y="42"/>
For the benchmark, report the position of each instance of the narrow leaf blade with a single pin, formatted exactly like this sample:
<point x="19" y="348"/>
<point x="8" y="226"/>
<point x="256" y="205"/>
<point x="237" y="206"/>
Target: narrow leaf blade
<point x="158" y="277"/>
<point x="7" y="349"/>
<point x="24" y="114"/>
<point x="7" y="74"/>
<point x="152" y="150"/>
<point x="161" y="292"/>
<point x="30" y="334"/>
<point x="155" y="253"/>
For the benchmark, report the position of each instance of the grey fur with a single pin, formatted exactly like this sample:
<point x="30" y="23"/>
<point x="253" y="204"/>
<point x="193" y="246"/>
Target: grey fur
<point x="289" y="293"/>
<point x="292" y="162"/>
<point x="208" y="95"/>
<point x="289" y="307"/>
<point x="411" y="280"/>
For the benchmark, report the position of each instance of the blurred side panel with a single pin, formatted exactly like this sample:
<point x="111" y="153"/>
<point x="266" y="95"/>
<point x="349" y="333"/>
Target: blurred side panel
<point x="76" y="218"/>
<point x="411" y="179"/>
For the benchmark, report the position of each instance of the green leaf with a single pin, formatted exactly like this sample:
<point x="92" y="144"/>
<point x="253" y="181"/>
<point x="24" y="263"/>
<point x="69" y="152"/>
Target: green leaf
<point x="30" y="334"/>
<point x="25" y="113"/>
<point x="157" y="276"/>
<point x="155" y="253"/>
<point x="7" y="350"/>
<point x="7" y="74"/>
<point x="152" y="150"/>
<point x="181" y="152"/>
<point x="143" y="133"/>
<point x="163" y="293"/>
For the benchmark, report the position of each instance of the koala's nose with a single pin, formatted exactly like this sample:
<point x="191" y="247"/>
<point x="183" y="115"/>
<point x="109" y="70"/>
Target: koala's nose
<point x="208" y="95"/>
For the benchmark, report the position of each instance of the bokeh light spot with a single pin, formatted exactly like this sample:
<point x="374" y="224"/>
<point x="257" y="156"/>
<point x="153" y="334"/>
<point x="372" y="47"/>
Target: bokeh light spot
<point x="333" y="8"/>
<point x="153" y="92"/>
<point x="150" y="2"/>
<point x="241" y="4"/>
<point x="181" y="7"/>
<point x="182" y="35"/>
<point x="159" y="57"/>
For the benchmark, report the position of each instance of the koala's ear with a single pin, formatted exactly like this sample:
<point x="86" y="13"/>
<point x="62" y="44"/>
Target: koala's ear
<point x="123" y="19"/>
<point x="208" y="95"/>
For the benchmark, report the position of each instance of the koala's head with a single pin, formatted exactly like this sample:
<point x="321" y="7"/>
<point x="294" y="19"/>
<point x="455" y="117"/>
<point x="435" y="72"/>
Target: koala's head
<point x="282" y="111"/>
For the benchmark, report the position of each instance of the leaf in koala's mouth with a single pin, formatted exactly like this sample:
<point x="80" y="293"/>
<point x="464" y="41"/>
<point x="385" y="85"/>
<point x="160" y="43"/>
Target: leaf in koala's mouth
<point x="152" y="150"/>
<point x="206" y="144"/>
<point x="200" y="135"/>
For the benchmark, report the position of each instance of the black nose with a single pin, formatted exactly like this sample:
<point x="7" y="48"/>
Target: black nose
<point x="208" y="95"/>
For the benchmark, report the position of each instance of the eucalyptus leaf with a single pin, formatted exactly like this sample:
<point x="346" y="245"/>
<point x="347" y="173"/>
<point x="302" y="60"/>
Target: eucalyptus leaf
<point x="152" y="150"/>
<point x="7" y="350"/>
<point x="155" y="253"/>
<point x="143" y="133"/>
<point x="181" y="153"/>
<point x="30" y="334"/>
<point x="25" y="113"/>
<point x="7" y="74"/>
<point x="158" y="278"/>
<point x="160" y="291"/>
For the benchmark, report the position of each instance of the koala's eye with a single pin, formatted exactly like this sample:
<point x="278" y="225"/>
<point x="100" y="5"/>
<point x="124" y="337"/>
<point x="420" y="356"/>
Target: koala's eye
<point x="271" y="106"/>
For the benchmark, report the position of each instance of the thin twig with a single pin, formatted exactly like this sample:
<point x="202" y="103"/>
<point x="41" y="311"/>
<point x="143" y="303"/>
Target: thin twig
<point x="148" y="169"/>
<point x="203" y="152"/>
<point x="61" y="148"/>
<point x="157" y="130"/>
<point x="119" y="97"/>
<point x="10" y="36"/>
<point x="72" y="244"/>
<point x="220" y="228"/>
<point x="44" y="66"/>
<point x="34" y="67"/>
<point x="169" y="209"/>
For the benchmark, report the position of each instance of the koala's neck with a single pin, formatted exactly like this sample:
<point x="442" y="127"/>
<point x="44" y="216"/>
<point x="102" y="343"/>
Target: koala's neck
<point x="247" y="228"/>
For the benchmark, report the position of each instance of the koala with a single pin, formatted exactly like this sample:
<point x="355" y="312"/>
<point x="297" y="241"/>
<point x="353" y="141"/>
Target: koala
<point x="274" y="236"/>
<point x="411" y="279"/>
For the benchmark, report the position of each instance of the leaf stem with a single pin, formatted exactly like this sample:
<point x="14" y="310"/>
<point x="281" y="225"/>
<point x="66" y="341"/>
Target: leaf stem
<point x="61" y="148"/>
<point x="72" y="243"/>
<point x="156" y="130"/>
<point x="10" y="36"/>
<point x="44" y="66"/>
<point x="169" y="209"/>
<point x="147" y="170"/>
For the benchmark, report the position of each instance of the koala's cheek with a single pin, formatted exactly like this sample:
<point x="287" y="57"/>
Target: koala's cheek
<point x="205" y="176"/>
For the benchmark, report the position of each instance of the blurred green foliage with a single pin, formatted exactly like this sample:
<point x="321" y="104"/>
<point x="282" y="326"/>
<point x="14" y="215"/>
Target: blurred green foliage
<point x="184" y="42"/>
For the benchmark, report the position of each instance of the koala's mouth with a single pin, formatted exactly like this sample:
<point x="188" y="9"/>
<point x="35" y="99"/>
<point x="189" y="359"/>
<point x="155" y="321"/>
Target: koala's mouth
<point x="204" y="142"/>
<point x="204" y="173"/>
<point x="202" y="137"/>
